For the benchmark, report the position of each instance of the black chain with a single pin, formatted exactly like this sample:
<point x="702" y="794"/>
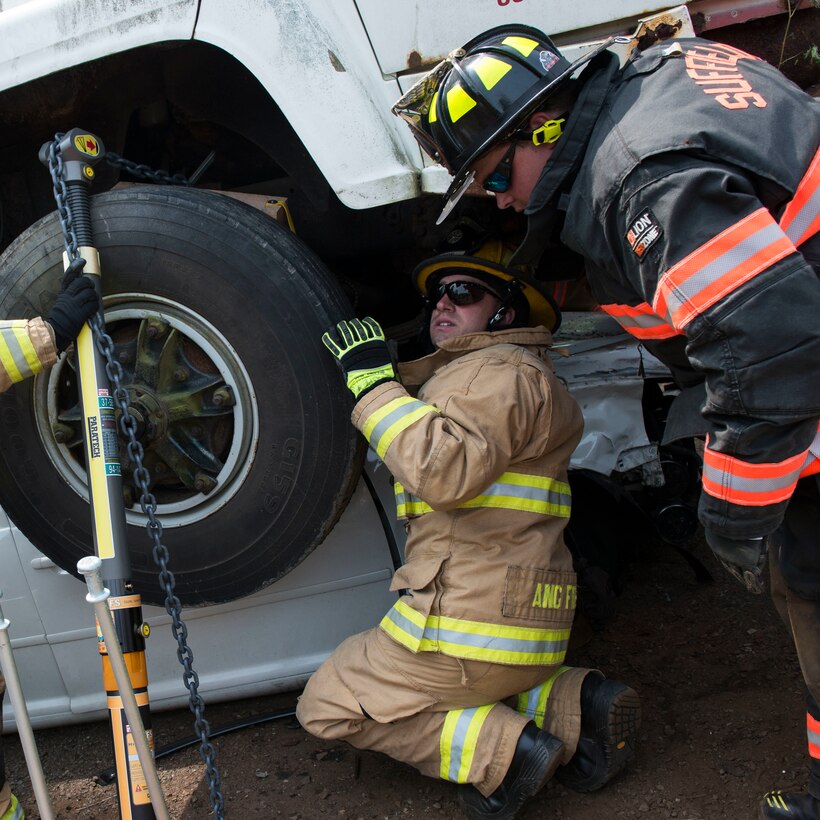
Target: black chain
<point x="148" y="502"/>
<point x="144" y="171"/>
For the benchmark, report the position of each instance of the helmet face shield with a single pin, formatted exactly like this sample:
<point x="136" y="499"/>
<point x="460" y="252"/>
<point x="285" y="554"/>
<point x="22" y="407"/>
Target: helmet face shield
<point x="414" y="107"/>
<point x="454" y="193"/>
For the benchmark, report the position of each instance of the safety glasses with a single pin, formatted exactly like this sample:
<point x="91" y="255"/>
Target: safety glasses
<point x="459" y="293"/>
<point x="498" y="181"/>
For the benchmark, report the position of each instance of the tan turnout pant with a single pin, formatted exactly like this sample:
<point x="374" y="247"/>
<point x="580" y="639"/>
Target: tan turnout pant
<point x="454" y="719"/>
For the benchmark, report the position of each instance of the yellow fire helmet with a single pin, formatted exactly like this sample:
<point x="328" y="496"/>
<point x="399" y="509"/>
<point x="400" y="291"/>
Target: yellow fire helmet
<point x="515" y="286"/>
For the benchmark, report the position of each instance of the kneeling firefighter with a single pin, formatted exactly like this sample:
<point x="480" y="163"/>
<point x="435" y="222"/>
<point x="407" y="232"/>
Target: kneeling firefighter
<point x="464" y="676"/>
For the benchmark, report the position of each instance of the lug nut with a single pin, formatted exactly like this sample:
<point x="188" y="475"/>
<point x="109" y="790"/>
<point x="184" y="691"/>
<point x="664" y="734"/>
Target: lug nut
<point x="62" y="433"/>
<point x="156" y="329"/>
<point x="224" y="397"/>
<point x="181" y="374"/>
<point x="204" y="483"/>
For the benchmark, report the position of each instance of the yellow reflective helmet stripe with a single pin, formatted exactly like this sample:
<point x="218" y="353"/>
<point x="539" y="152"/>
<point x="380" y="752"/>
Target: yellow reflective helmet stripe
<point x="475" y="640"/>
<point x="512" y="491"/>
<point x="459" y="102"/>
<point x="432" y="116"/>
<point x="458" y="741"/>
<point x="17" y="353"/>
<point x="490" y="70"/>
<point x="533" y="702"/>
<point x="382" y="426"/>
<point x="524" y="45"/>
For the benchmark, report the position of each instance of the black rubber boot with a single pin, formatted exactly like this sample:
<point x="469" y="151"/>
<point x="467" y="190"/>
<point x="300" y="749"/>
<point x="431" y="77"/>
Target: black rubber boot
<point x="778" y="805"/>
<point x="610" y="719"/>
<point x="536" y="758"/>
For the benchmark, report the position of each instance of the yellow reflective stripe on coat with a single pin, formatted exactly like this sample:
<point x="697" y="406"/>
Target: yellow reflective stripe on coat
<point x="475" y="640"/>
<point x="458" y="741"/>
<point x="17" y="353"/>
<point x="533" y="702"/>
<point x="512" y="491"/>
<point x="382" y="426"/>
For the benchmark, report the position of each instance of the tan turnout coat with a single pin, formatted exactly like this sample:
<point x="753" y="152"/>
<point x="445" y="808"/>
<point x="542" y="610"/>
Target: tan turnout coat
<point x="478" y="440"/>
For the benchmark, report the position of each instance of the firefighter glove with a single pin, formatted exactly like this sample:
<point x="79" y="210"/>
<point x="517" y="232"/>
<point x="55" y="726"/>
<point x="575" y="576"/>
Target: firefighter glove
<point x="75" y="305"/>
<point x="743" y="558"/>
<point x="360" y="348"/>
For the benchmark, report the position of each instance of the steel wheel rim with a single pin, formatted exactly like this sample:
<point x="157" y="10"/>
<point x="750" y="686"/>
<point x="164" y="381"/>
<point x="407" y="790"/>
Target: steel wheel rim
<point x="135" y="310"/>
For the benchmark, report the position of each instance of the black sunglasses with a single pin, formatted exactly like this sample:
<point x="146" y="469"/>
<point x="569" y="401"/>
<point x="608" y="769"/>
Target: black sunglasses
<point x="459" y="293"/>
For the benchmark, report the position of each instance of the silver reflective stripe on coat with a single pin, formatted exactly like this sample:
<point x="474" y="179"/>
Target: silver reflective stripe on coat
<point x="475" y="640"/>
<point x="512" y="491"/>
<point x="382" y="426"/>
<point x="17" y="353"/>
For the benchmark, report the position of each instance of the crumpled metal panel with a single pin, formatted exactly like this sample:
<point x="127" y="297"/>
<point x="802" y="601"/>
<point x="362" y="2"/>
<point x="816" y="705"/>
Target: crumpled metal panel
<point x="604" y="376"/>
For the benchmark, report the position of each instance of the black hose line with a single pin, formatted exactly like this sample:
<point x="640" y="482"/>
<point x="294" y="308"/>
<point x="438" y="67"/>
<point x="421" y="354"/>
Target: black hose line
<point x="108" y="776"/>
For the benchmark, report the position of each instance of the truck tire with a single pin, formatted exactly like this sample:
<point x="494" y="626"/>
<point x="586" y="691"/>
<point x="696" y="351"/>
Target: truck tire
<point x="216" y="312"/>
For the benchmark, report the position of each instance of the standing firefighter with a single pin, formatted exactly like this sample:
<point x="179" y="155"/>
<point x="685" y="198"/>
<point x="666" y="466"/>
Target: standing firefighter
<point x="689" y="181"/>
<point x="28" y="347"/>
<point x="478" y="436"/>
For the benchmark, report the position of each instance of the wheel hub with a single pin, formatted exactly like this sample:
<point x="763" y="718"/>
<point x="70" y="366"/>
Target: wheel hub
<point x="189" y="396"/>
<point x="149" y="414"/>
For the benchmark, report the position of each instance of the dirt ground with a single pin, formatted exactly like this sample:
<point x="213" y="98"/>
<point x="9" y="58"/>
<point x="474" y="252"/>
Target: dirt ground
<point x="723" y="723"/>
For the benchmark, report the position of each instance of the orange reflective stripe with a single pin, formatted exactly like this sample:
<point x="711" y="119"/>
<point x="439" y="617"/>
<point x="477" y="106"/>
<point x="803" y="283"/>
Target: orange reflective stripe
<point x="750" y="485"/>
<point x="812" y="469"/>
<point x="801" y="219"/>
<point x="813" y="731"/>
<point x="641" y="321"/>
<point x="719" y="267"/>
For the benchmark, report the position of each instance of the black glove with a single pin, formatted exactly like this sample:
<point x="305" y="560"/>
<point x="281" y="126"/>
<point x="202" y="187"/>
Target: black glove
<point x="362" y="351"/>
<point x="744" y="558"/>
<point x="74" y="307"/>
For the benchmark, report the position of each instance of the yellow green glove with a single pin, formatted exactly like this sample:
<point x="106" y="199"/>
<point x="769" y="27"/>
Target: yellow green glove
<point x="360" y="347"/>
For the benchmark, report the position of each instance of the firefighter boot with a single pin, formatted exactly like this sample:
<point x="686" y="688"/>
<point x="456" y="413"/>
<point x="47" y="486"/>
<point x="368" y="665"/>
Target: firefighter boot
<point x="791" y="806"/>
<point x="536" y="758"/>
<point x="610" y="719"/>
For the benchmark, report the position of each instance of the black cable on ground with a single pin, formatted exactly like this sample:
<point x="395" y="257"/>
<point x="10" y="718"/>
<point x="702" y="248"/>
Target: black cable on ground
<point x="109" y="776"/>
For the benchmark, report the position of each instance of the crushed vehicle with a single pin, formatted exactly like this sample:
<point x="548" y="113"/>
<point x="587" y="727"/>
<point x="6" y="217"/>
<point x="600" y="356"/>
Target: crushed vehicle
<point x="306" y="198"/>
